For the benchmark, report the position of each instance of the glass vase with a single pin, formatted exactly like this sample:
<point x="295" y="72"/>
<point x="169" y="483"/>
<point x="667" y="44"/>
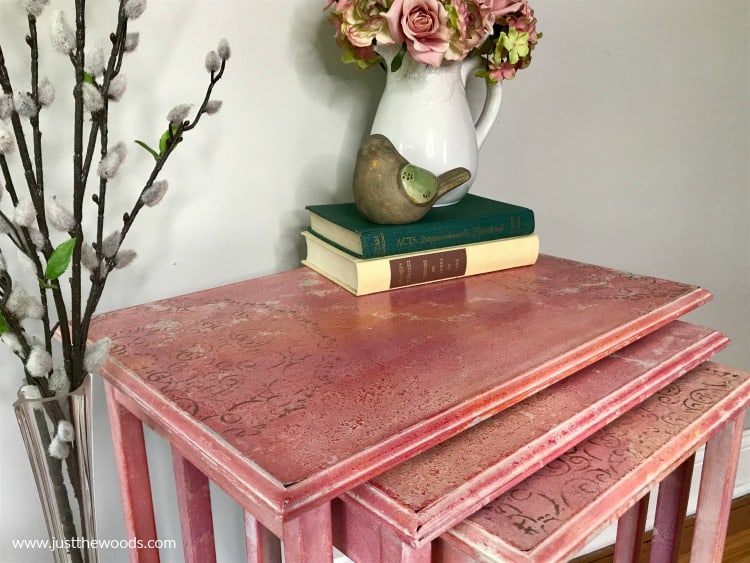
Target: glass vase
<point x="65" y="486"/>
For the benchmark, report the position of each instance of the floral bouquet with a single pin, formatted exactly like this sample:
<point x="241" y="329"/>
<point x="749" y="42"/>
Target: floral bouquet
<point x="433" y="32"/>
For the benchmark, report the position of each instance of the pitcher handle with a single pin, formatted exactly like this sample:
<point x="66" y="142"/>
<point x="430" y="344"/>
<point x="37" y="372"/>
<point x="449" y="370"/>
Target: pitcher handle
<point x="492" y="100"/>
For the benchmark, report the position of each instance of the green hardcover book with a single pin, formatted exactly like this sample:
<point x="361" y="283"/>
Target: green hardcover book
<point x="473" y="219"/>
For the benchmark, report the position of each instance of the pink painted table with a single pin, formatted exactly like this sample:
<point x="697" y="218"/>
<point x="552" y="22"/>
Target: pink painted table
<point x="287" y="391"/>
<point x="395" y="516"/>
<point x="550" y="515"/>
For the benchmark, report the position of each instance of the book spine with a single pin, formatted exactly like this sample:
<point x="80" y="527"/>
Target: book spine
<point x="391" y="273"/>
<point x="415" y="238"/>
<point x="414" y="270"/>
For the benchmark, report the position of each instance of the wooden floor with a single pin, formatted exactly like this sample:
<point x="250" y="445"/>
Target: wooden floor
<point x="737" y="549"/>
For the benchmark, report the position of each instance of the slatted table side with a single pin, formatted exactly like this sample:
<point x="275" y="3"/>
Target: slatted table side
<point x="589" y="487"/>
<point x="421" y="498"/>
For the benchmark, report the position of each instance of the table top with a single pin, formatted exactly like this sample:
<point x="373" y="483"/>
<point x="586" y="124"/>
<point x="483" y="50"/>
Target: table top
<point x="553" y="513"/>
<point x="296" y="391"/>
<point x="434" y="491"/>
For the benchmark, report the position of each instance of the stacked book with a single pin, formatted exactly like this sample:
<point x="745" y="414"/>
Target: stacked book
<point x="474" y="236"/>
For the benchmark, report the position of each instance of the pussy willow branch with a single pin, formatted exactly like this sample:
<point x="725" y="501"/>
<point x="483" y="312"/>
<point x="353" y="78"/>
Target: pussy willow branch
<point x="38" y="201"/>
<point x="79" y="188"/>
<point x="113" y="68"/>
<point x="9" y="186"/>
<point x="39" y="169"/>
<point x="98" y="280"/>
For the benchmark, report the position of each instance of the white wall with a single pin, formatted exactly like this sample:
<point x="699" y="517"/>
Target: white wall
<point x="629" y="137"/>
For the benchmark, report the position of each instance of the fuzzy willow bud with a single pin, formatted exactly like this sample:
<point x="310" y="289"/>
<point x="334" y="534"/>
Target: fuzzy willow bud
<point x="63" y="36"/>
<point x="39" y="362"/>
<point x="124" y="258"/>
<point x="14" y="344"/>
<point x="111" y="244"/>
<point x="7" y="140"/>
<point x="95" y="62"/>
<point x="223" y="49"/>
<point x="131" y="41"/>
<point x="134" y="8"/>
<point x="96" y="354"/>
<point x="212" y="106"/>
<point x="213" y="62"/>
<point x="34" y="7"/>
<point x="25" y="105"/>
<point x="59" y="217"/>
<point x="6" y="106"/>
<point x="178" y="113"/>
<point x="65" y="431"/>
<point x="89" y="259"/>
<point x="59" y="381"/>
<point x="110" y="164"/>
<point x="46" y="92"/>
<point x="92" y="98"/>
<point x="24" y="214"/>
<point x="154" y="193"/>
<point x="58" y="448"/>
<point x="117" y="87"/>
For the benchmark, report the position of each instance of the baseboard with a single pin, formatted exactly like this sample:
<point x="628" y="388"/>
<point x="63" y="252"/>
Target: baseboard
<point x="741" y="488"/>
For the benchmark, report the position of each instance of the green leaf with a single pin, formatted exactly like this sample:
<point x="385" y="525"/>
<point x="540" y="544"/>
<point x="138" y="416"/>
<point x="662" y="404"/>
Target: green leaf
<point x="4" y="326"/>
<point x="167" y="138"/>
<point x="60" y="260"/>
<point x="149" y="149"/>
<point x="398" y="59"/>
<point x="163" y="140"/>
<point x="88" y="78"/>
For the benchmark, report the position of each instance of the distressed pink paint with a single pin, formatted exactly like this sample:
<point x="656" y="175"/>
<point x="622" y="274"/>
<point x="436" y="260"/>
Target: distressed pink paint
<point x="308" y="536"/>
<point x="245" y="376"/>
<point x="715" y="494"/>
<point x="671" y="505"/>
<point x="428" y="494"/>
<point x="261" y="545"/>
<point x="630" y="531"/>
<point x="542" y="518"/>
<point x="133" y="476"/>
<point x="194" y="504"/>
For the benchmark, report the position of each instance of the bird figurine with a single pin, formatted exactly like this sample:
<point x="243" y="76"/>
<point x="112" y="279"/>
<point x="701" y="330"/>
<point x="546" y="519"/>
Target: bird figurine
<point x="391" y="191"/>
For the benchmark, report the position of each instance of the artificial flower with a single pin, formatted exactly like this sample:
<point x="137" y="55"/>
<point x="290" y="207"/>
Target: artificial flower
<point x="436" y="32"/>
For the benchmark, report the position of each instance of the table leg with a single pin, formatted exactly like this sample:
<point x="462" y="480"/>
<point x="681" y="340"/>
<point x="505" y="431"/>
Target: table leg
<point x="309" y="536"/>
<point x="630" y="530"/>
<point x="132" y="474"/>
<point x="671" y="505"/>
<point x="393" y="550"/>
<point x="715" y="494"/>
<point x="194" y="504"/>
<point x="262" y="546"/>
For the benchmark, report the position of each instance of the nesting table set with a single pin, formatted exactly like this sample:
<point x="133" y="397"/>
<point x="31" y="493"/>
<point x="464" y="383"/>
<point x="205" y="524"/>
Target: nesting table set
<point x="502" y="417"/>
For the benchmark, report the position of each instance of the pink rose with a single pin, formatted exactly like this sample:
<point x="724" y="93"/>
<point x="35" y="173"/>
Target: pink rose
<point x="503" y="7"/>
<point x="423" y="25"/>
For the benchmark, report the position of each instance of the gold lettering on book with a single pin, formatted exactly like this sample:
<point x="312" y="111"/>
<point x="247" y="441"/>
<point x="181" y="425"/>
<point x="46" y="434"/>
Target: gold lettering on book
<point x="413" y="270"/>
<point x="406" y="241"/>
